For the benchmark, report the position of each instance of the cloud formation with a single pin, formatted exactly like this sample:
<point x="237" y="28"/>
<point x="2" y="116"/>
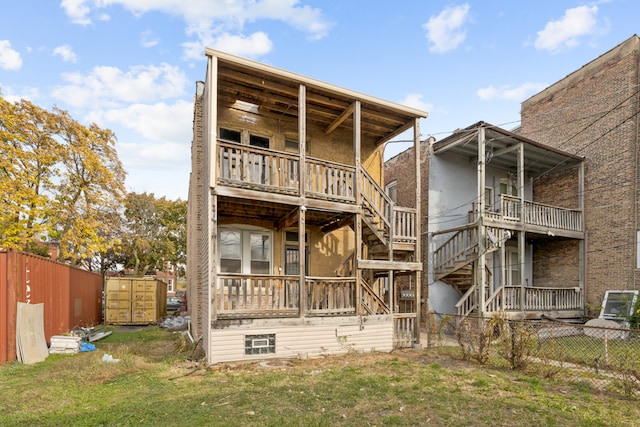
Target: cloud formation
<point x="445" y="31"/>
<point x="519" y="93"/>
<point x="9" y="59"/>
<point x="565" y="33"/>
<point x="414" y="100"/>
<point x="214" y="21"/>
<point x="111" y="87"/>
<point x="66" y="53"/>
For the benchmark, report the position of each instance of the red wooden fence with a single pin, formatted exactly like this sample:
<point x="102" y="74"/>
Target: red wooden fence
<point x="72" y="297"/>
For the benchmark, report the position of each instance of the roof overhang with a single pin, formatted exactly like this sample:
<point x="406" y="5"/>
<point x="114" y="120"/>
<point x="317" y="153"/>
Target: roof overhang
<point x="501" y="153"/>
<point x="275" y="92"/>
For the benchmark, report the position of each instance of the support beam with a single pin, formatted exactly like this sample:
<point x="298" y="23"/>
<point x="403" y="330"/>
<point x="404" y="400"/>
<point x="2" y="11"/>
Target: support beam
<point x="340" y="119"/>
<point x="288" y="221"/>
<point x="357" y="135"/>
<point x="480" y="268"/>
<point x="418" y="249"/>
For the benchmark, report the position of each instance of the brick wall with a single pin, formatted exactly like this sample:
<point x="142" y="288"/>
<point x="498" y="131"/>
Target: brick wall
<point x="400" y="169"/>
<point x="593" y="113"/>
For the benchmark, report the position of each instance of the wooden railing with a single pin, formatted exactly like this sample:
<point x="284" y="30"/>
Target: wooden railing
<point x="258" y="295"/>
<point x="540" y="214"/>
<point x="456" y="249"/>
<point x="331" y="296"/>
<point x="468" y="302"/>
<point x="540" y="299"/>
<point x="330" y="180"/>
<point x="371" y="300"/>
<point x="376" y="202"/>
<point x="404" y="230"/>
<point x="257" y="168"/>
<point x="404" y="329"/>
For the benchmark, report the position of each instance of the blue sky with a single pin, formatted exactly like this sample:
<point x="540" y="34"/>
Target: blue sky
<point x="131" y="65"/>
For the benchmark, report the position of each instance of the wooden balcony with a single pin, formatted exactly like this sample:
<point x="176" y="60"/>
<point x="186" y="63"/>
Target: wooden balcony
<point x="532" y="214"/>
<point x="275" y="172"/>
<point x="253" y="296"/>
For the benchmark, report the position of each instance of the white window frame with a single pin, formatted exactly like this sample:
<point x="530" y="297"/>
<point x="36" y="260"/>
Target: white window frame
<point x="245" y="248"/>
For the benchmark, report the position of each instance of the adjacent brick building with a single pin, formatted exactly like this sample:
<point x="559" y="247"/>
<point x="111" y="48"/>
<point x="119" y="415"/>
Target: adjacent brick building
<point x="593" y="112"/>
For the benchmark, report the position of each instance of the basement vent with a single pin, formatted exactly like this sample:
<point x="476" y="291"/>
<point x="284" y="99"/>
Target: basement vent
<point x="260" y="344"/>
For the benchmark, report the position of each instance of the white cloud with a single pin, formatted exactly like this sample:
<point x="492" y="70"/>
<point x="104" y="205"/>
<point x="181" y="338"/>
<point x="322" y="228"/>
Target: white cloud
<point x="110" y="86"/>
<point x="445" y="31"/>
<point x="510" y="93"/>
<point x="9" y="59"/>
<point x="415" y="100"/>
<point x="66" y="53"/>
<point x="77" y="10"/>
<point x="12" y="95"/>
<point x="148" y="39"/>
<point x="253" y="46"/>
<point x="157" y="122"/>
<point x="565" y="32"/>
<point x="214" y="19"/>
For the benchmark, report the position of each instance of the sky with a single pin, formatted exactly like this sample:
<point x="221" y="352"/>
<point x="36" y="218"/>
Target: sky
<point x="132" y="65"/>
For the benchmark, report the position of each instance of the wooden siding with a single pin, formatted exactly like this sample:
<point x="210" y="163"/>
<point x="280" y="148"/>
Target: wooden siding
<point x="300" y="338"/>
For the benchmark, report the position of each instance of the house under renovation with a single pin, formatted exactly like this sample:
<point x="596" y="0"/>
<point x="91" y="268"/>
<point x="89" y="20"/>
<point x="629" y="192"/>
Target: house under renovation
<point x="294" y="247"/>
<point x="505" y="220"/>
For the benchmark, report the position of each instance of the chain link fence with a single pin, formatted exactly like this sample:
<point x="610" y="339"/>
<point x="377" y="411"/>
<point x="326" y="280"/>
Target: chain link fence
<point x="608" y="359"/>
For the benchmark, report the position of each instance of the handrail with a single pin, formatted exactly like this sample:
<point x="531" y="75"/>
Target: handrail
<point x="371" y="301"/>
<point x="462" y="244"/>
<point x="468" y="302"/>
<point x="377" y="200"/>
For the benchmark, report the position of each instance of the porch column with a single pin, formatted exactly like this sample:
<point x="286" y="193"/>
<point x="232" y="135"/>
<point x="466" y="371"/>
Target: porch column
<point x="418" y="249"/>
<point x="481" y="274"/>
<point x="582" y="265"/>
<point x="302" y="138"/>
<point x="357" y="117"/>
<point x="521" y="234"/>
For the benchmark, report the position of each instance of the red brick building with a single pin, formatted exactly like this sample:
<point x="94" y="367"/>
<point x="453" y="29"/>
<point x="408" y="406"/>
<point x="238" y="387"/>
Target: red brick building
<point x="593" y="112"/>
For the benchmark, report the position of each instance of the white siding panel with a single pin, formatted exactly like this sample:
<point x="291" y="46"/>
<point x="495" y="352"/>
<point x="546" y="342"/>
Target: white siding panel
<point x="296" y="338"/>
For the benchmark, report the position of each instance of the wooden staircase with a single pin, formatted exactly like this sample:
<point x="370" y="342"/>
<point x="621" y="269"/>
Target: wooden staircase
<point x="455" y="262"/>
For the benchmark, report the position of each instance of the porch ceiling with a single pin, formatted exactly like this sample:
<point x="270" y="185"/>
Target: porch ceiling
<point x="275" y="91"/>
<point x="238" y="210"/>
<point x="538" y="158"/>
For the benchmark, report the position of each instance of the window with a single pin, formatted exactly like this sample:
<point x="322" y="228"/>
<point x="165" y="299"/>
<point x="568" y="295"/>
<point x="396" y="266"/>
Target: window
<point x="230" y="135"/>
<point x="508" y="187"/>
<point x="258" y="141"/>
<point x="513" y="267"/>
<point x="170" y="285"/>
<point x="392" y="191"/>
<point x="245" y="251"/>
<point x="260" y="344"/>
<point x="488" y="198"/>
<point x="292" y="254"/>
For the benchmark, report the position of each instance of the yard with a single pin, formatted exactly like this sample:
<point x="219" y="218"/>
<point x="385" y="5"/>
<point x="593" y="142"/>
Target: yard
<point x="155" y="383"/>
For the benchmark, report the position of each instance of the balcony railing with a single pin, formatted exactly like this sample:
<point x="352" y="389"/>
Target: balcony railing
<point x="251" y="167"/>
<point x="534" y="214"/>
<point x="238" y="295"/>
<point x="541" y="299"/>
<point x="241" y="295"/>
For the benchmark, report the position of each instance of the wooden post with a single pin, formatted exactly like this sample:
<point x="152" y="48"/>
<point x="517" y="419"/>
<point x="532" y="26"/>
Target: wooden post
<point x="481" y="274"/>
<point x="521" y="234"/>
<point x="357" y="117"/>
<point x="302" y="138"/>
<point x="418" y="228"/>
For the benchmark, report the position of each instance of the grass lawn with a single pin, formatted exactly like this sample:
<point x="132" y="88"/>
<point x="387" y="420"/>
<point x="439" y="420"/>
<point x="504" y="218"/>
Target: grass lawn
<point x="155" y="384"/>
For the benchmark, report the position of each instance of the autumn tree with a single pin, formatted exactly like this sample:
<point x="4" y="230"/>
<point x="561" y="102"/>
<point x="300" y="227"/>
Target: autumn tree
<point x="58" y="178"/>
<point x="91" y="188"/>
<point x="155" y="233"/>
<point x="29" y="153"/>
